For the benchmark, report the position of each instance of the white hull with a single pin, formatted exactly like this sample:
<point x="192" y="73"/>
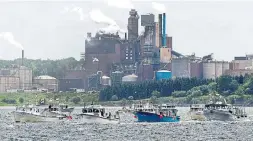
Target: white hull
<point x="197" y="115"/>
<point x="28" y="117"/>
<point x="96" y="119"/>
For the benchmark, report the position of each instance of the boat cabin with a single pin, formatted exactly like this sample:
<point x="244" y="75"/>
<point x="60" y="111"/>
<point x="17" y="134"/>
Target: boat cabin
<point x="168" y="110"/>
<point x="197" y="107"/>
<point x="218" y="106"/>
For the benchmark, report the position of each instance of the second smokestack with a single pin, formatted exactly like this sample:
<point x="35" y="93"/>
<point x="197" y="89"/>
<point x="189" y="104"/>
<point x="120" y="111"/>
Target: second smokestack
<point x="22" y="59"/>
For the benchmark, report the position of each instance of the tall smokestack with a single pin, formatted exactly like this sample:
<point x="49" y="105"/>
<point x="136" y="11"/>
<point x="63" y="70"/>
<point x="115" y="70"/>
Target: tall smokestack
<point x="164" y="29"/>
<point x="125" y="36"/>
<point x="160" y="30"/>
<point x="22" y="60"/>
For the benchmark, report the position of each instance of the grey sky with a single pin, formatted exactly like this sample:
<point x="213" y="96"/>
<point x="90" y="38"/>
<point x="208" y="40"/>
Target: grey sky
<point x="222" y="28"/>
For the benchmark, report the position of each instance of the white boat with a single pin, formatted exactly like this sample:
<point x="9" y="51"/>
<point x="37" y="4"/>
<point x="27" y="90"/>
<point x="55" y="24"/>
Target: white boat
<point x="197" y="112"/>
<point x="31" y="113"/>
<point x="218" y="109"/>
<point x="97" y="114"/>
<point x="65" y="109"/>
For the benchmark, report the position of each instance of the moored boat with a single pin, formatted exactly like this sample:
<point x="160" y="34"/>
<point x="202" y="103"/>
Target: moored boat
<point x="197" y="112"/>
<point x="157" y="113"/>
<point x="218" y="109"/>
<point x="31" y="113"/>
<point x="98" y="114"/>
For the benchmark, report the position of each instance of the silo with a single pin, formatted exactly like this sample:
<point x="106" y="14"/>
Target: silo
<point x="181" y="67"/>
<point x="209" y="70"/>
<point x="225" y="67"/>
<point x="218" y="68"/>
<point x="163" y="74"/>
<point x="106" y="81"/>
<point x="129" y="78"/>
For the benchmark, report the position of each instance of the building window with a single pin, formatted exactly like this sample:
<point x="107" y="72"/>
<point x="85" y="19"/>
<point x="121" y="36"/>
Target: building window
<point x="131" y="51"/>
<point x="126" y="54"/>
<point x="131" y="54"/>
<point x="126" y="57"/>
<point x="131" y="58"/>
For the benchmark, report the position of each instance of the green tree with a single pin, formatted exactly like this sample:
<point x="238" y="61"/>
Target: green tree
<point x="21" y="100"/>
<point x="155" y="93"/>
<point x="179" y="93"/>
<point x="76" y="100"/>
<point x="123" y="102"/>
<point x="66" y="99"/>
<point x="114" y="98"/>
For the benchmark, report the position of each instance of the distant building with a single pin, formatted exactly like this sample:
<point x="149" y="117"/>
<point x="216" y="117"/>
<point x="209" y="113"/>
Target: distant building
<point x="70" y="84"/>
<point x="23" y="73"/>
<point x="238" y="72"/>
<point x="8" y="83"/>
<point x="46" y="82"/>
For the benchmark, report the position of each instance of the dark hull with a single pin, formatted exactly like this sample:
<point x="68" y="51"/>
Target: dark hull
<point x="152" y="117"/>
<point x="219" y="115"/>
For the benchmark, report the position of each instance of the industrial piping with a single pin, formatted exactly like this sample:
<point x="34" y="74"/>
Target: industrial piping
<point x="160" y="30"/>
<point x="164" y="30"/>
<point x="22" y="59"/>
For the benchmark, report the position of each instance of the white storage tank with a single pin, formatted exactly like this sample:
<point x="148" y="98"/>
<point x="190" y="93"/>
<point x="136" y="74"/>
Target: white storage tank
<point x="106" y="81"/>
<point x="129" y="78"/>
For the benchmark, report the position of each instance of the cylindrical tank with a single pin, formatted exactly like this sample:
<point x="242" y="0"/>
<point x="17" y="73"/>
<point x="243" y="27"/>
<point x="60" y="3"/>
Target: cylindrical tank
<point x="106" y="81"/>
<point x="129" y="78"/>
<point x="209" y="70"/>
<point x="163" y="74"/>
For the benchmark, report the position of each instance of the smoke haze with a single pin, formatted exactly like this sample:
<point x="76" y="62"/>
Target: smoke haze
<point x="97" y="16"/>
<point x="78" y="10"/>
<point x="159" y="7"/>
<point x="8" y="36"/>
<point x="123" y="4"/>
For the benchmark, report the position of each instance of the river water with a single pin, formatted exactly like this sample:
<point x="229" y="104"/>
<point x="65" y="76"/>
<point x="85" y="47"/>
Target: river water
<point x="127" y="130"/>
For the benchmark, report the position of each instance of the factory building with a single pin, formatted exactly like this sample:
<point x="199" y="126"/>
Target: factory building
<point x="46" y="83"/>
<point x="8" y="83"/>
<point x="71" y="84"/>
<point x="101" y="52"/>
<point x="240" y="63"/>
<point x="23" y="74"/>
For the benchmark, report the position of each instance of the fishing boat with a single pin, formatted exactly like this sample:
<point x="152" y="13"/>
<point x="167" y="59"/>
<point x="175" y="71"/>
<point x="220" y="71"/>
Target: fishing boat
<point x="197" y="112"/>
<point x="31" y="113"/>
<point x="97" y="114"/>
<point x="65" y="109"/>
<point x="156" y="113"/>
<point x="218" y="109"/>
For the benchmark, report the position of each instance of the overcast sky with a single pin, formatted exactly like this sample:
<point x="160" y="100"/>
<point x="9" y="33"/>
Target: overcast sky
<point x="46" y="31"/>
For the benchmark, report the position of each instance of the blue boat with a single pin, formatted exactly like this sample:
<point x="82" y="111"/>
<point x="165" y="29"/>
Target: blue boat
<point x="157" y="113"/>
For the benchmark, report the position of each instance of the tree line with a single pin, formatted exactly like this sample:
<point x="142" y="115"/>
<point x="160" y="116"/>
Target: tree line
<point x="180" y="87"/>
<point x="54" y="68"/>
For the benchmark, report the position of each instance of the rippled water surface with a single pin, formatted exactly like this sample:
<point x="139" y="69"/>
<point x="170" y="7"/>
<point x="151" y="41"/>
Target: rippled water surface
<point x="127" y="130"/>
